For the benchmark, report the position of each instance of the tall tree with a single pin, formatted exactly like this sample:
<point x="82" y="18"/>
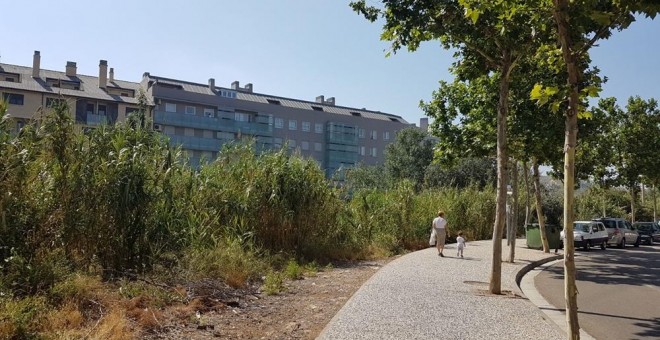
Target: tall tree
<point x="409" y="156"/>
<point x="579" y="25"/>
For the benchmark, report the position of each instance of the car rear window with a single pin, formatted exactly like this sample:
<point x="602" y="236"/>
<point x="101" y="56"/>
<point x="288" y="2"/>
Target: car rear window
<point x="609" y="224"/>
<point x="643" y="226"/>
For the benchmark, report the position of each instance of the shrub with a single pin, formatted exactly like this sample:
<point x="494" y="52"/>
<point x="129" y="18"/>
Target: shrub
<point x="273" y="283"/>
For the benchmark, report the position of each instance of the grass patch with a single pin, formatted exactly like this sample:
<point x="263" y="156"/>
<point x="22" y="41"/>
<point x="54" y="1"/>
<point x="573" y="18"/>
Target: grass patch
<point x="293" y="270"/>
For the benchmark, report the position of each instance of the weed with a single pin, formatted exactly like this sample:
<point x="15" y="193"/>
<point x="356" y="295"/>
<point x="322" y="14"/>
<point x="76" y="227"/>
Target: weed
<point x="273" y="283"/>
<point x="293" y="271"/>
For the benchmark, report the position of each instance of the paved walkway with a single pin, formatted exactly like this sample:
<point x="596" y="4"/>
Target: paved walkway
<point x="423" y="296"/>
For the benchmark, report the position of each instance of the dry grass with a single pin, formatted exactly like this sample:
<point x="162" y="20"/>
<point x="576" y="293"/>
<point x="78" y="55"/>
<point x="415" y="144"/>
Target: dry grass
<point x="114" y="326"/>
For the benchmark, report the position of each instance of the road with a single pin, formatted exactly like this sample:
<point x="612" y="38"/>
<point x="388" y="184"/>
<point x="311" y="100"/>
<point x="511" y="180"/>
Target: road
<point x="619" y="291"/>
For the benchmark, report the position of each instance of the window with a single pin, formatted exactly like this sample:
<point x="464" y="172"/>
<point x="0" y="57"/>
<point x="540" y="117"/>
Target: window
<point x="170" y="107"/>
<point x="277" y="142"/>
<point x="362" y="150"/>
<point x="293" y="124"/>
<point x="279" y="123"/>
<point x="292" y="143"/>
<point x="318" y="127"/>
<point x="394" y="120"/>
<point x="306" y="126"/>
<point x="361" y="133"/>
<point x="241" y="117"/>
<point x="317" y="108"/>
<point x="124" y="94"/>
<point x="130" y="110"/>
<point x="374" y="134"/>
<point x="191" y="110"/>
<point x="273" y="101"/>
<point x="373" y="152"/>
<point x="210" y="113"/>
<point x="101" y="110"/>
<point x="227" y="94"/>
<point x="356" y="114"/>
<point x="304" y="145"/>
<point x="386" y="135"/>
<point x="10" y="79"/>
<point x="14" y="98"/>
<point x="318" y="147"/>
<point x="89" y="108"/>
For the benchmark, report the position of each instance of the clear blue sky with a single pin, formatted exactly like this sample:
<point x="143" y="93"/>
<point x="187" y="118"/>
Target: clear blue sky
<point x="291" y="48"/>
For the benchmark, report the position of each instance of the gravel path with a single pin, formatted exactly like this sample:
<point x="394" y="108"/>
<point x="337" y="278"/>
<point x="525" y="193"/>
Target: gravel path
<point x="423" y="296"/>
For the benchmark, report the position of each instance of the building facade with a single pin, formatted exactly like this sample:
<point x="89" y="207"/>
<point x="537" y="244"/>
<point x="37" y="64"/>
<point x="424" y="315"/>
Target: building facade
<point x="93" y="100"/>
<point x="201" y="118"/>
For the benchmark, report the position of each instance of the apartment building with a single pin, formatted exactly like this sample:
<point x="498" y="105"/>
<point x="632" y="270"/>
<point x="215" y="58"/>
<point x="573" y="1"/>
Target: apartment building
<point x="203" y="117"/>
<point x="93" y="100"/>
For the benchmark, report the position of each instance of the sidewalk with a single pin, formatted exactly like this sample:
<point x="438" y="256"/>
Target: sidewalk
<point x="423" y="296"/>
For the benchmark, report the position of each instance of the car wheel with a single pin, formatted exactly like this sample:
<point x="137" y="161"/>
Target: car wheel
<point x="650" y="241"/>
<point x="637" y="242"/>
<point x="587" y="245"/>
<point x="603" y="245"/>
<point x="623" y="243"/>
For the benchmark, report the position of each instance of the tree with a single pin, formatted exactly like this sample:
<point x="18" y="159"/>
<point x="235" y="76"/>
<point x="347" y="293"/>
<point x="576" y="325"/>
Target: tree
<point x="409" y="156"/>
<point x="579" y="25"/>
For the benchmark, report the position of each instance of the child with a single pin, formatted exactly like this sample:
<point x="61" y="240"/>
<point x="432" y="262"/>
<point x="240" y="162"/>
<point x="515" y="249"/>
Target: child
<point x="461" y="244"/>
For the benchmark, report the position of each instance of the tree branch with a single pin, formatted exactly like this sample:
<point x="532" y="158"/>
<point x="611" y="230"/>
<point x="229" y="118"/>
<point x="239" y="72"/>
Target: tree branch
<point x="482" y="53"/>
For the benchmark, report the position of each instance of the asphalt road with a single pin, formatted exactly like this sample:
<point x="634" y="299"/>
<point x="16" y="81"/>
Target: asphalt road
<point x="618" y="291"/>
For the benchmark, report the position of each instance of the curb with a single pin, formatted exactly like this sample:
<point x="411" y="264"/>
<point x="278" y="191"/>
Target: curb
<point x="529" y="267"/>
<point x="533" y="296"/>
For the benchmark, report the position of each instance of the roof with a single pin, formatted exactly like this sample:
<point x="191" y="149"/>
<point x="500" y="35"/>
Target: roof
<point x="286" y="102"/>
<point x="89" y="85"/>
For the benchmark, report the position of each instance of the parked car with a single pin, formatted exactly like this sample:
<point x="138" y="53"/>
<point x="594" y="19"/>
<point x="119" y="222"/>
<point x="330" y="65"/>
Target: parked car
<point x="587" y="234"/>
<point x="649" y="232"/>
<point x="619" y="232"/>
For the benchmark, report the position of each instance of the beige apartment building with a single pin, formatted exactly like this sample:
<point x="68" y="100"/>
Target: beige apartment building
<point x="201" y="118"/>
<point x="93" y="100"/>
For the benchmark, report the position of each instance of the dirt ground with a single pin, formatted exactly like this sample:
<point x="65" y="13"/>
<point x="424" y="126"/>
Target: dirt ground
<point x="301" y="312"/>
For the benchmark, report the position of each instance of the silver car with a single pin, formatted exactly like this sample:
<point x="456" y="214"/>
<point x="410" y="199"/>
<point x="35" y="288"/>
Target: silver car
<point x="619" y="232"/>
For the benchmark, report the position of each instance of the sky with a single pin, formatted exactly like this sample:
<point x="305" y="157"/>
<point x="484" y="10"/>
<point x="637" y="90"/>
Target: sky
<point x="291" y="48"/>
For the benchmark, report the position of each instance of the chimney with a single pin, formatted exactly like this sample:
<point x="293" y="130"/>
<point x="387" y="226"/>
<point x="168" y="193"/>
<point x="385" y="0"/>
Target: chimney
<point x="36" y="64"/>
<point x="248" y="87"/>
<point x="320" y="99"/>
<point x="424" y="124"/>
<point x="330" y="101"/>
<point x="71" y="68"/>
<point x="112" y="74"/>
<point x="212" y="84"/>
<point x="235" y="85"/>
<point x="103" y="74"/>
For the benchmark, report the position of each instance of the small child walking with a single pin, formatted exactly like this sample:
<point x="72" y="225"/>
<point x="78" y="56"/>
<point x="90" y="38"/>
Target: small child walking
<point x="461" y="244"/>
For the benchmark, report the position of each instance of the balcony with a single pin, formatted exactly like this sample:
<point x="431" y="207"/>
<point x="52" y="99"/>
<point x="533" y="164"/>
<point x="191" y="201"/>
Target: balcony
<point x="258" y="128"/>
<point x="196" y="143"/>
<point x="94" y="119"/>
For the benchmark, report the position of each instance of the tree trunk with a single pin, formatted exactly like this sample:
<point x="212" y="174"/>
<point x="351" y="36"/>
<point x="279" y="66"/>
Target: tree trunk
<point x="495" y="285"/>
<point x="560" y="14"/>
<point x="527" y="206"/>
<point x="604" y="196"/>
<point x="539" y="205"/>
<point x="641" y="193"/>
<point x="514" y="212"/>
<point x="632" y="203"/>
<point x="655" y="206"/>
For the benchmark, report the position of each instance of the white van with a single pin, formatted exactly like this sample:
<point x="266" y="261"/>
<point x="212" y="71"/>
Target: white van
<point x="587" y="234"/>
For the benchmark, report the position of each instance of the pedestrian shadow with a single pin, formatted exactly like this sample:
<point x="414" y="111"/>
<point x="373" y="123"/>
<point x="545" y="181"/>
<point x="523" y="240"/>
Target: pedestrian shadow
<point x="467" y="258"/>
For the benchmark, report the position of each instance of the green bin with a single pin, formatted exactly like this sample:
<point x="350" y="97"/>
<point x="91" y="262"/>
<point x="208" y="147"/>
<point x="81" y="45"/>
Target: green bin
<point x="533" y="233"/>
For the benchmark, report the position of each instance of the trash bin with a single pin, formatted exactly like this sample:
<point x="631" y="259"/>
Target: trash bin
<point x="533" y="234"/>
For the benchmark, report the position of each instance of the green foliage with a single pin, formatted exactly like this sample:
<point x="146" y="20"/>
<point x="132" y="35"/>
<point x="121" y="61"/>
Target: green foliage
<point x="480" y="172"/>
<point x="293" y="270"/>
<point x="273" y="283"/>
<point x="409" y="156"/>
<point x="19" y="318"/>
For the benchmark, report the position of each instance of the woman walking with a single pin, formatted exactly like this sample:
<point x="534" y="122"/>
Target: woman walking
<point x="440" y="227"/>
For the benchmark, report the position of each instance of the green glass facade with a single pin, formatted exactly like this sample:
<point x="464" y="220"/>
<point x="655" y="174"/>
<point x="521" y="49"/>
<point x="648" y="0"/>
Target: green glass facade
<point x="341" y="147"/>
